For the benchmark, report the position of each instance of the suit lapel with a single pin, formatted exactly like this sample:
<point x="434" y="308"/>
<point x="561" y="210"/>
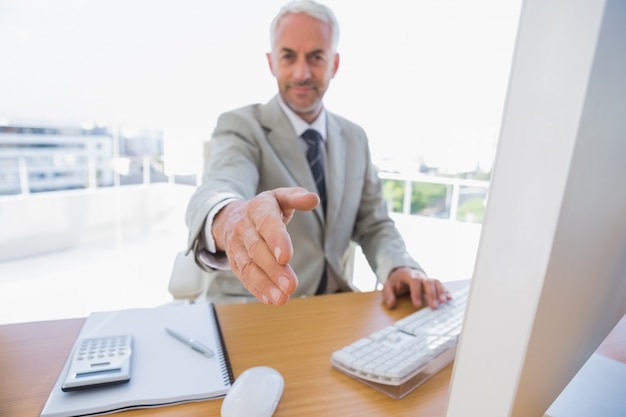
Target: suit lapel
<point x="336" y="169"/>
<point x="283" y="140"/>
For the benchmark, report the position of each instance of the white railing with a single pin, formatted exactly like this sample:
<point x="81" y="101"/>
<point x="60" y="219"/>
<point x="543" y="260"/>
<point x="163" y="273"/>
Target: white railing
<point x="22" y="176"/>
<point x="454" y="186"/>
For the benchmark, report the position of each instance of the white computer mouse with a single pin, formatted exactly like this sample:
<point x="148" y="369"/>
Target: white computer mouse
<point x="255" y="393"/>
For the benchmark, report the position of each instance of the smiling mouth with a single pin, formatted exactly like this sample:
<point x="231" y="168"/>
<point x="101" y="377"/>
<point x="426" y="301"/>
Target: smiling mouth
<point x="301" y="91"/>
<point x="302" y="88"/>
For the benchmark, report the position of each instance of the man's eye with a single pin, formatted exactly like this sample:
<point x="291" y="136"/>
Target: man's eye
<point x="317" y="58"/>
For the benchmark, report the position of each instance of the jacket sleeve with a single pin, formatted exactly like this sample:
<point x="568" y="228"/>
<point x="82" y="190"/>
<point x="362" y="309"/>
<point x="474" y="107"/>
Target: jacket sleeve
<point x="375" y="231"/>
<point x="230" y="172"/>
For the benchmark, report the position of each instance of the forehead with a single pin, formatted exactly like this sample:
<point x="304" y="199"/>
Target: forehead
<point x="303" y="33"/>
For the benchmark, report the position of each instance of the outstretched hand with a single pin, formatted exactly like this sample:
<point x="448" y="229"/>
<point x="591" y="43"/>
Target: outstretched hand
<point x="423" y="290"/>
<point x="253" y="234"/>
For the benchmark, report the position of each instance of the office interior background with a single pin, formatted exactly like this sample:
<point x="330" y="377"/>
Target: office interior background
<point x="104" y="108"/>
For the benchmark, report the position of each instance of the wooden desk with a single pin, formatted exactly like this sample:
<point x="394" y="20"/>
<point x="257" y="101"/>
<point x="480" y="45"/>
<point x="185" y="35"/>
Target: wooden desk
<point x="297" y="339"/>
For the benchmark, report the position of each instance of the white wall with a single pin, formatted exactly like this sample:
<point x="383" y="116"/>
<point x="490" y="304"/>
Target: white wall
<point x="49" y="222"/>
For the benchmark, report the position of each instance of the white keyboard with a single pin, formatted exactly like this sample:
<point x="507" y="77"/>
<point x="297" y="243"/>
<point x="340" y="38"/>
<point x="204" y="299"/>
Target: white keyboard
<point x="409" y="351"/>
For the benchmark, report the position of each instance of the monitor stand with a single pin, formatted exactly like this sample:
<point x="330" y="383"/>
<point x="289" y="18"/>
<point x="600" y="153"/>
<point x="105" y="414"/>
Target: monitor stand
<point x="596" y="390"/>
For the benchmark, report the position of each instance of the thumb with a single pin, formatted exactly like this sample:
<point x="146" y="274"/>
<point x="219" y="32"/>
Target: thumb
<point x="290" y="199"/>
<point x="389" y="296"/>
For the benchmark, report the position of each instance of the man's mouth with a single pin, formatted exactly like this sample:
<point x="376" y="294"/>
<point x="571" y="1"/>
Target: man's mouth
<point x="301" y="88"/>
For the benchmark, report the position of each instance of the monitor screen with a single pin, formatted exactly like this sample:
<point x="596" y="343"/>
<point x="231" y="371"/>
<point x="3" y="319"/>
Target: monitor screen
<point x="550" y="277"/>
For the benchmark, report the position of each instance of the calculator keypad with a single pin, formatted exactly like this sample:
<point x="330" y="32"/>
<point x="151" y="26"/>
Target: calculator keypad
<point x="102" y="348"/>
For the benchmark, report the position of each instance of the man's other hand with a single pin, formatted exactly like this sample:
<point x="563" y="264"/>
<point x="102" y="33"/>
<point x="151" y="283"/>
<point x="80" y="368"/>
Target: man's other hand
<point x="423" y="290"/>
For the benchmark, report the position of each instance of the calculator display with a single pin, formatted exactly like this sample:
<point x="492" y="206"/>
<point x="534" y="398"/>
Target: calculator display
<point x="101" y="372"/>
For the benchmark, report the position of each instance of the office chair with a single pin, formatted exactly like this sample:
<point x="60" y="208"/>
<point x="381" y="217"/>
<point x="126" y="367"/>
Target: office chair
<point x="190" y="284"/>
<point x="187" y="280"/>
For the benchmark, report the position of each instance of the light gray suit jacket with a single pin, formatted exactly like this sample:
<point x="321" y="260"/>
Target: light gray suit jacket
<point x="254" y="149"/>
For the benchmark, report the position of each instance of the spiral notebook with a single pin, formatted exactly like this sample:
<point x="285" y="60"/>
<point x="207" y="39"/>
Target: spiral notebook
<point x="164" y="371"/>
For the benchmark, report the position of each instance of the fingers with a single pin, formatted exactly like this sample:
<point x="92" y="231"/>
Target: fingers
<point x="422" y="290"/>
<point x="269" y="213"/>
<point x="428" y="290"/>
<point x="263" y="231"/>
<point x="272" y="288"/>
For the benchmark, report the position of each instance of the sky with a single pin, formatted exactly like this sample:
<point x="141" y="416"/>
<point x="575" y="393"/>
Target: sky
<point x="429" y="76"/>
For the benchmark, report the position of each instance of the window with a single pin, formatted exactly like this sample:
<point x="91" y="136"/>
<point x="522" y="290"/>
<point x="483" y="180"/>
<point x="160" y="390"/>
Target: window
<point x="135" y="87"/>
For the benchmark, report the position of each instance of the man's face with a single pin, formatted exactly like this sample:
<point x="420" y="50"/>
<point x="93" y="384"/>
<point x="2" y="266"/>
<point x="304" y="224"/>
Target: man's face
<point x="303" y="63"/>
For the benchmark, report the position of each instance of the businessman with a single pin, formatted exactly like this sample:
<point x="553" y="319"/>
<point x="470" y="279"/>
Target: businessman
<point x="289" y="187"/>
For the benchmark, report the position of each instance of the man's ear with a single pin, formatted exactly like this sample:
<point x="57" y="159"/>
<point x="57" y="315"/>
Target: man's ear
<point x="335" y="64"/>
<point x="270" y="62"/>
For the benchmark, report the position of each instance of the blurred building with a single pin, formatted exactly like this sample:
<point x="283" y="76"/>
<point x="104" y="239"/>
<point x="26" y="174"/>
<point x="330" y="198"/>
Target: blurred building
<point x="35" y="158"/>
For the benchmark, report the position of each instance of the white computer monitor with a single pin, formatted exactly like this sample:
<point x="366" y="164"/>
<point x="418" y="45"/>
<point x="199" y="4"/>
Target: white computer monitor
<point x="550" y="276"/>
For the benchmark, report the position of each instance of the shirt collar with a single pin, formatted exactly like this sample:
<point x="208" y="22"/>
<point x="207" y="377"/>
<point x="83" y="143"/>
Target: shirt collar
<point x="300" y="125"/>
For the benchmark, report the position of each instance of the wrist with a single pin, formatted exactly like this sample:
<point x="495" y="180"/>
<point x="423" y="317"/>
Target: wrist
<point x="222" y="226"/>
<point x="411" y="270"/>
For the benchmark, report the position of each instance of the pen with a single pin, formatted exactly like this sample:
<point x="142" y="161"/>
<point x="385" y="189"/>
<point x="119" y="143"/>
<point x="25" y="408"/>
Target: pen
<point x="192" y="343"/>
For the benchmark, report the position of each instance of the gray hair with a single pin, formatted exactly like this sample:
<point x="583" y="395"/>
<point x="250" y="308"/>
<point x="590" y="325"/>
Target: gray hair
<point x="313" y="9"/>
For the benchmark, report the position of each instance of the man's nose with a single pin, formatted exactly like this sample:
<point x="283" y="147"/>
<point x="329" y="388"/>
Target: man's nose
<point x="302" y="71"/>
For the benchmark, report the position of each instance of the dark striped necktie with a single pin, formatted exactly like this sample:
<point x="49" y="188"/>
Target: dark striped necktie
<point x="314" y="156"/>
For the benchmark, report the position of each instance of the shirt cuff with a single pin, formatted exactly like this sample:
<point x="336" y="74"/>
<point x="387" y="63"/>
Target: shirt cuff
<point x="214" y="260"/>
